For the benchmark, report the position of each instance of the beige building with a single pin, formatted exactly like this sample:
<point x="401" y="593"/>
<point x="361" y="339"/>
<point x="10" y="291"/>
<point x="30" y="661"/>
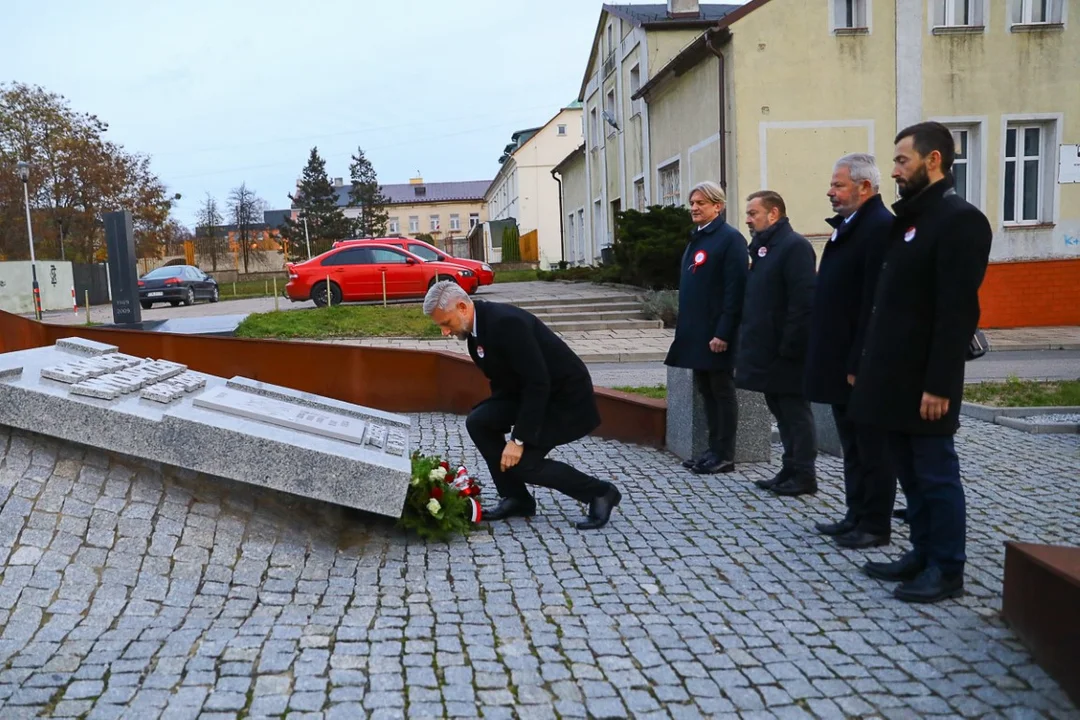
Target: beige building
<point x="524" y="188"/>
<point x="770" y="93"/>
<point x="572" y="188"/>
<point x="445" y="210"/>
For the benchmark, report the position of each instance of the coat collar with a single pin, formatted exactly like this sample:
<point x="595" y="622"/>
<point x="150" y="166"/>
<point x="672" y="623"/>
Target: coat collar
<point x="928" y="197"/>
<point x="871" y="205"/>
<point x="710" y="229"/>
<point x="766" y="237"/>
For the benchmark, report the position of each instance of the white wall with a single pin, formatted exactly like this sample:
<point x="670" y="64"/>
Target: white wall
<point x="16" y="288"/>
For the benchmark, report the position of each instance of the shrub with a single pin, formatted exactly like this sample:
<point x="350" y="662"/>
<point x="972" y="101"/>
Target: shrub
<point x="649" y="245"/>
<point x="662" y="305"/>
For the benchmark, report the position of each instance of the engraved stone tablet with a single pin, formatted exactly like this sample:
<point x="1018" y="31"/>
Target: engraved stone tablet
<point x="278" y="412"/>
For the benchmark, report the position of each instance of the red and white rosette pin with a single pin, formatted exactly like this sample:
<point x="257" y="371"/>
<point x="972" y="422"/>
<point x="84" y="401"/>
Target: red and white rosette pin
<point x="474" y="511"/>
<point x="699" y="259"/>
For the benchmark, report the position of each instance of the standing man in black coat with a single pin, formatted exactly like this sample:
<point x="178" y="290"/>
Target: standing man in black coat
<point x="847" y="278"/>
<point x="911" y="376"/>
<point x="773" y="337"/>
<point x="541" y="393"/>
<point x="711" y="285"/>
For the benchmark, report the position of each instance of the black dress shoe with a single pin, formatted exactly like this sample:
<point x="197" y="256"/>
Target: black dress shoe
<point x="931" y="585"/>
<point x="600" y="509"/>
<point x="858" y="539"/>
<point x="713" y="465"/>
<point x="775" y="480"/>
<point x="906" y="568"/>
<point x="707" y="455"/>
<point x="837" y="528"/>
<point x="900" y="514"/>
<point x="511" y="507"/>
<point x="796" y="484"/>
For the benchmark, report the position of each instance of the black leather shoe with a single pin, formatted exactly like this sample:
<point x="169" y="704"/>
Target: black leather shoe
<point x="931" y="585"/>
<point x="707" y="455"/>
<point x="796" y="484"/>
<point x="900" y="514"/>
<point x="511" y="507"/>
<point x="837" y="528"/>
<point x="600" y="510"/>
<point x="712" y="465"/>
<point x="858" y="539"/>
<point x="775" y="480"/>
<point x="906" y="568"/>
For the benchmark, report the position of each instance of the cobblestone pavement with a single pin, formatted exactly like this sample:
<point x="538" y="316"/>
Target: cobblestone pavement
<point x="129" y="592"/>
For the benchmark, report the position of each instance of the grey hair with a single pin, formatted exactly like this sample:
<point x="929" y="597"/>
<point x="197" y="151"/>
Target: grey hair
<point x="712" y="192"/>
<point x="862" y="166"/>
<point x="442" y="295"/>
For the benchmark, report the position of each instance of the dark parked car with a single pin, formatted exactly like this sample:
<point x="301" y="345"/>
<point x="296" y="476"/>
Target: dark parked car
<point x="176" y="284"/>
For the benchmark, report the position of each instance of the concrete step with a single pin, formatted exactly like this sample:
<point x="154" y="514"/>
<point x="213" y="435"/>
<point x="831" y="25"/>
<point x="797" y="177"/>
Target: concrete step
<point x="549" y="310"/>
<point x="587" y="325"/>
<point x="598" y="300"/>
<point x="593" y="315"/>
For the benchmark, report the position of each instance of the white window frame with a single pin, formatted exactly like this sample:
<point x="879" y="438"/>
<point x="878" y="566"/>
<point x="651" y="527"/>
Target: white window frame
<point x="455" y="221"/>
<point x="610" y="100"/>
<point x="861" y="8"/>
<point x="414" y="223"/>
<point x="474" y="220"/>
<point x="640" y="200"/>
<point x="975" y="126"/>
<point x="433" y="223"/>
<point x="662" y="192"/>
<point x="943" y="20"/>
<point x="393" y="226"/>
<point x="635" y="85"/>
<point x="1049" y="200"/>
<point x="1021" y="14"/>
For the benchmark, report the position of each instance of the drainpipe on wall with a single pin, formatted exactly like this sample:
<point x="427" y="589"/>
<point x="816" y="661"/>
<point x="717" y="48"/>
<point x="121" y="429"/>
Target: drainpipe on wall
<point x="562" y="232"/>
<point x="723" y="119"/>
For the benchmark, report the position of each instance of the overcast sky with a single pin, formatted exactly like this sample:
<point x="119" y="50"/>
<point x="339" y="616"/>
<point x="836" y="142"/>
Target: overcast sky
<point x="220" y="93"/>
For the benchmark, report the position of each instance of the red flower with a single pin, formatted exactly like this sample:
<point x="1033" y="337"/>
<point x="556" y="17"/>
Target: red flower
<point x="445" y="466"/>
<point x="436" y="492"/>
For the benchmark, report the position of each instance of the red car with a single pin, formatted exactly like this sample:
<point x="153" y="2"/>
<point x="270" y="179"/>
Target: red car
<point x="429" y="253"/>
<point x="356" y="274"/>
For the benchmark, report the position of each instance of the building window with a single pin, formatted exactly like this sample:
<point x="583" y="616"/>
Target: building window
<point x="594" y="135"/>
<point x="609" y="106"/>
<point x="433" y="223"/>
<point x="962" y="163"/>
<point x="474" y="220"/>
<point x="850" y="15"/>
<point x="639" y="195"/>
<point x="635" y="85"/>
<point x="669" y="184"/>
<point x="570" y="235"/>
<point x="1037" y="12"/>
<point x="958" y="13"/>
<point x="455" y="221"/>
<point x="1026" y="200"/>
<point x="581" y="235"/>
<point x="414" y="224"/>
<point x="597" y="219"/>
<point x="562" y="130"/>
<point x="393" y="226"/>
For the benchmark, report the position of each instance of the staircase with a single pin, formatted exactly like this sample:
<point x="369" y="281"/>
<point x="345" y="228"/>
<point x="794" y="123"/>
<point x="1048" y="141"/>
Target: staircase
<point x="574" y="314"/>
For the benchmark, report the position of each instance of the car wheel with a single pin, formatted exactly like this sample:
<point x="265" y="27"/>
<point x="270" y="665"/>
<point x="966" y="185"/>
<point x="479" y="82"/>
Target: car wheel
<point x="189" y="299"/>
<point x="174" y="303"/>
<point x="215" y="296"/>
<point x="318" y="294"/>
<point x="439" y="278"/>
<point x="146" y="305"/>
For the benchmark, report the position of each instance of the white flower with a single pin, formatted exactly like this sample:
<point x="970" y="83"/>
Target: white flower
<point x="433" y="506"/>
<point x="415" y="481"/>
<point x="438" y="473"/>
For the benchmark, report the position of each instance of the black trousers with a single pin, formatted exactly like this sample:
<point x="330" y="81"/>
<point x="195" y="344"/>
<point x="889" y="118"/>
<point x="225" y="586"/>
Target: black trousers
<point x="717" y="389"/>
<point x="795" y="421"/>
<point x="488" y="424"/>
<point x="869" y="479"/>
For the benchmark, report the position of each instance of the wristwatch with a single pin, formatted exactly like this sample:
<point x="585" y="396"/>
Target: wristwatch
<point x="518" y="442"/>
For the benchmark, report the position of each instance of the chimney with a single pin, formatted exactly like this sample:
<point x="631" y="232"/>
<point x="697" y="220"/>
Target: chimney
<point x="339" y="182"/>
<point x="683" y="9"/>
<point x="416" y="181"/>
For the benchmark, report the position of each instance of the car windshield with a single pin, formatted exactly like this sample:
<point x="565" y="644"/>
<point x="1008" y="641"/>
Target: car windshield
<point x="164" y="272"/>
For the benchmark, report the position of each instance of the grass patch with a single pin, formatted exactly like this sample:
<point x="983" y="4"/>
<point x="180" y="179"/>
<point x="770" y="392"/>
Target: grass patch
<point x="508" y="276"/>
<point x="656" y="392"/>
<point x="341" y="321"/>
<point x="250" y="288"/>
<point x="1024" y="393"/>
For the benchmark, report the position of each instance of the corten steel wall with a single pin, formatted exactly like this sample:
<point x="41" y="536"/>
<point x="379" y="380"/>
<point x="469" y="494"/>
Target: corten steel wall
<point x="383" y="378"/>
<point x="1022" y="294"/>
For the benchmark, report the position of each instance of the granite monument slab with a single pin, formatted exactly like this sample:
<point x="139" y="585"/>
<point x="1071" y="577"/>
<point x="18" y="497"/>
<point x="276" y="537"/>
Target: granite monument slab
<point x="237" y="428"/>
<point x="688" y="432"/>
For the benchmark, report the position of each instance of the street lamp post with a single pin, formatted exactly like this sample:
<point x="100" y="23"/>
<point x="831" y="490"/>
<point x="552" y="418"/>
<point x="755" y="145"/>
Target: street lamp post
<point x="23" y="168"/>
<point x="307" y="237"/>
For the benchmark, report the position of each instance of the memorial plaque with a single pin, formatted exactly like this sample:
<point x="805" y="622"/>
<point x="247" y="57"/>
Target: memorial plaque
<point x="240" y="429"/>
<point x="123" y="271"/>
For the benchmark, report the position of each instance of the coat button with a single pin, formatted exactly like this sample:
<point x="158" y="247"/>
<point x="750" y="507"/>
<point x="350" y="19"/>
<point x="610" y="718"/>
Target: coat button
<point x="884" y="265"/>
<point x="873" y="309"/>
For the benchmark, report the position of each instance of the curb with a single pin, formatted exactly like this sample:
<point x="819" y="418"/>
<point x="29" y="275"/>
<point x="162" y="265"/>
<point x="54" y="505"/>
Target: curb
<point x="1039" y="428"/>
<point x="1026" y="347"/>
<point x="1010" y="417"/>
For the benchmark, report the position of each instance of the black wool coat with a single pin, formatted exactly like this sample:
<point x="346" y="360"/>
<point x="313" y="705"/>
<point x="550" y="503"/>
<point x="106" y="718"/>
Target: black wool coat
<point x="925" y="311"/>
<point x="776" y="312"/>
<point x="711" y="286"/>
<point x="529" y="364"/>
<point x="846" y="280"/>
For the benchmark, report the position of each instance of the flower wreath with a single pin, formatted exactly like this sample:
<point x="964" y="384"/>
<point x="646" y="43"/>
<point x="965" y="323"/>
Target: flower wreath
<point x="438" y="505"/>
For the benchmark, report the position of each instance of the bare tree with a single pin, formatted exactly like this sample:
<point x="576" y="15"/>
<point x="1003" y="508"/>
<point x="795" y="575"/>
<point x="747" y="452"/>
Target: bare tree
<point x="246" y="211"/>
<point x="210" y="237"/>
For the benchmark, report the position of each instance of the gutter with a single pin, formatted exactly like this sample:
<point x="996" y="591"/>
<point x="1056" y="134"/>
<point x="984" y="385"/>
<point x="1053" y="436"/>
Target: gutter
<point x="562" y="231"/>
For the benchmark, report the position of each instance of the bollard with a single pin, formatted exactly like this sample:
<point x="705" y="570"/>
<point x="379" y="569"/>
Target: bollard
<point x="329" y="297"/>
<point x="87" y="307"/>
<point x="266" y="287"/>
<point x="234" y="288"/>
<point x="275" y="295"/>
<point x="74" y="301"/>
<point x="384" y="288"/>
